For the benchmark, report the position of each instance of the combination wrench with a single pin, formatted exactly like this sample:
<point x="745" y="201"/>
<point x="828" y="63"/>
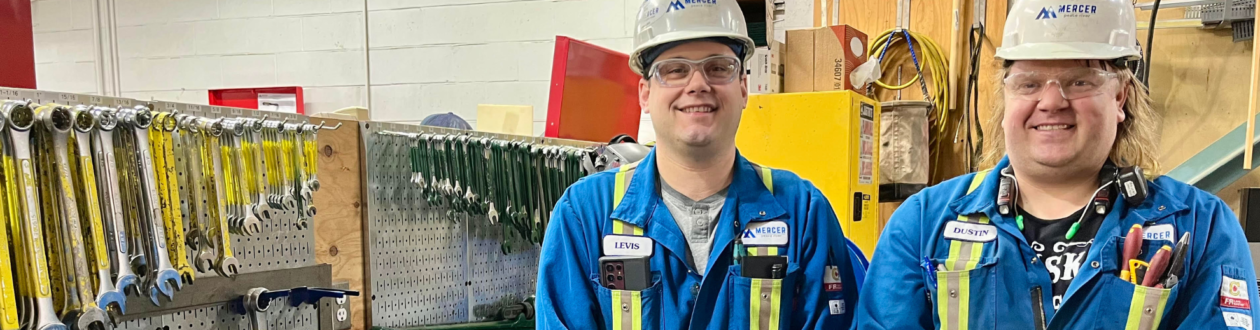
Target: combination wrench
<point x="35" y="266"/>
<point x="226" y="263"/>
<point x="8" y="296"/>
<point x="116" y="240"/>
<point x="189" y="143"/>
<point x="271" y="156"/>
<point x="161" y="274"/>
<point x="288" y="167"/>
<point x="107" y="294"/>
<point x="244" y="221"/>
<point x="80" y="308"/>
<point x="256" y="160"/>
<point x="168" y="193"/>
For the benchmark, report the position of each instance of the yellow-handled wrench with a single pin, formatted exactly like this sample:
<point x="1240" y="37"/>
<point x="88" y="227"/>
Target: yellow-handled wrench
<point x="35" y="265"/>
<point x="161" y="274"/>
<point x="89" y="201"/>
<point x="56" y="121"/>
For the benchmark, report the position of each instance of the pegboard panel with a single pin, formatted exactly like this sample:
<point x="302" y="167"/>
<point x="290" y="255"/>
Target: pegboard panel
<point x="228" y="317"/>
<point x="428" y="265"/>
<point x="282" y="244"/>
<point x="417" y="253"/>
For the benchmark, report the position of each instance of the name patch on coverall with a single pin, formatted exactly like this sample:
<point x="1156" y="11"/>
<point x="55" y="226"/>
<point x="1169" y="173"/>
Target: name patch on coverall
<point x="1164" y="232"/>
<point x="971" y="232"/>
<point x="632" y="246"/>
<point x="766" y="233"/>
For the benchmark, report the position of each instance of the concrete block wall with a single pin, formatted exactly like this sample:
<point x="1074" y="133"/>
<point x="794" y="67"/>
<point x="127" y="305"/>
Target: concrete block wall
<point x="450" y="55"/>
<point x="427" y="56"/>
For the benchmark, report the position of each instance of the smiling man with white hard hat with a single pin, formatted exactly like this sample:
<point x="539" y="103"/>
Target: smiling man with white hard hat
<point x="694" y="236"/>
<point x="1066" y="231"/>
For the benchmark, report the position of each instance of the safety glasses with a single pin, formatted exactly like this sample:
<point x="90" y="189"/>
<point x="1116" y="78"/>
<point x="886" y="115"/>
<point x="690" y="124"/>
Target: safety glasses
<point x="1073" y="84"/>
<point x="676" y="72"/>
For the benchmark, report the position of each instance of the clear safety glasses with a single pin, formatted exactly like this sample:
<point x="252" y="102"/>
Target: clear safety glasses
<point x="1073" y="84"/>
<point x="676" y="72"/>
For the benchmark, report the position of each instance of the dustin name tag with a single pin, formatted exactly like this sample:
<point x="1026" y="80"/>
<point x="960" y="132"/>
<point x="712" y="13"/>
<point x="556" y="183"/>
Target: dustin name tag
<point x="971" y="232"/>
<point x="631" y="246"/>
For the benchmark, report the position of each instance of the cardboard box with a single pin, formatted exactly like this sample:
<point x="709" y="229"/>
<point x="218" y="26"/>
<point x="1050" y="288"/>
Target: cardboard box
<point x="506" y="119"/>
<point x="820" y="59"/>
<point x="765" y="72"/>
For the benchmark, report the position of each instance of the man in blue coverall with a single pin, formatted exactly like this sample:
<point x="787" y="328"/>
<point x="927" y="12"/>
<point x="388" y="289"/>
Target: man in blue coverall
<point x="1042" y="240"/>
<point x="695" y="210"/>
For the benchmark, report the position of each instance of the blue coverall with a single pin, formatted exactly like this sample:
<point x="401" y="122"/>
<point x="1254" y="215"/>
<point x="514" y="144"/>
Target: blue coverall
<point x="1217" y="289"/>
<point x="570" y="295"/>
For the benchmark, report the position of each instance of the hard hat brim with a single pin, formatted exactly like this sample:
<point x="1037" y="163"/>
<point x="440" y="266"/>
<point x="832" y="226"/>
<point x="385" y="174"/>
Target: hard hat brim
<point x="636" y="63"/>
<point x="1067" y="51"/>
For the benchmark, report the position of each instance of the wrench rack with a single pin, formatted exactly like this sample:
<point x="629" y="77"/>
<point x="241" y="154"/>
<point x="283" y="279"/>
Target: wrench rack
<point x="427" y="265"/>
<point x="227" y="317"/>
<point x="281" y="244"/>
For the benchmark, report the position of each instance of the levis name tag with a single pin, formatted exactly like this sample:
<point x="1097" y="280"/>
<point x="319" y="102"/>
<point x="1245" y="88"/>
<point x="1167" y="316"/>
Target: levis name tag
<point x="632" y="246"/>
<point x="972" y="232"/>
<point x="1164" y="232"/>
<point x="766" y="233"/>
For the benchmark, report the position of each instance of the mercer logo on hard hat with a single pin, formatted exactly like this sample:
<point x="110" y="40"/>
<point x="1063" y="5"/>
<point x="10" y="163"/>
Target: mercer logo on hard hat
<point x="676" y="5"/>
<point x="1047" y="12"/>
<point x="1068" y="11"/>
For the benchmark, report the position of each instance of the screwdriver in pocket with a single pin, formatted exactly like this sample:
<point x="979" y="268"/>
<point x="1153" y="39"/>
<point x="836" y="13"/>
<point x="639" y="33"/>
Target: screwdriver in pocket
<point x="1158" y="263"/>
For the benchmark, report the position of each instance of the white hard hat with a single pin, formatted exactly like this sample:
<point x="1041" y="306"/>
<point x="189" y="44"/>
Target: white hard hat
<point x="665" y="21"/>
<point x="1070" y="29"/>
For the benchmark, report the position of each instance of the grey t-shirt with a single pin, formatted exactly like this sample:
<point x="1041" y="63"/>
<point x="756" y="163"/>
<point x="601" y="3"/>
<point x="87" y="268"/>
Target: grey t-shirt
<point x="697" y="219"/>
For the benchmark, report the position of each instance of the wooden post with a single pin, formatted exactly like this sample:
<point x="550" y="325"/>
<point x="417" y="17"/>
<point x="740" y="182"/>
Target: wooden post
<point x="339" y="221"/>
<point x="1251" y="101"/>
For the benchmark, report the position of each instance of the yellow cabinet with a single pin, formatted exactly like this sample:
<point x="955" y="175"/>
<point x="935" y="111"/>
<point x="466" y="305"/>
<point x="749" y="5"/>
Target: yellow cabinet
<point x="828" y="138"/>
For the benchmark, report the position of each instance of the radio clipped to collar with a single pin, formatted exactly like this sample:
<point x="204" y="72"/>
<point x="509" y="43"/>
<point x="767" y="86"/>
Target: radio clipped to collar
<point x="1129" y="179"/>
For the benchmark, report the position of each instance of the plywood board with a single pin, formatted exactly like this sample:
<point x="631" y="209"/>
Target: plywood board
<point x="1199" y="84"/>
<point x="339" y="220"/>
<point x="933" y="19"/>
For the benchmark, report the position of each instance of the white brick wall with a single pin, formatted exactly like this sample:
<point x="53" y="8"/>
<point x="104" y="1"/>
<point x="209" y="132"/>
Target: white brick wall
<point x="428" y="56"/>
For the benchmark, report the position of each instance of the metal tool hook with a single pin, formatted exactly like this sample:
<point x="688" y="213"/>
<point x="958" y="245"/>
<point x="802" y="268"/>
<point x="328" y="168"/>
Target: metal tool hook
<point x="321" y="126"/>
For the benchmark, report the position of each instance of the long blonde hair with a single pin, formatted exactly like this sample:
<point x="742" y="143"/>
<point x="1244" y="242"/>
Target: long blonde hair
<point x="1135" y="138"/>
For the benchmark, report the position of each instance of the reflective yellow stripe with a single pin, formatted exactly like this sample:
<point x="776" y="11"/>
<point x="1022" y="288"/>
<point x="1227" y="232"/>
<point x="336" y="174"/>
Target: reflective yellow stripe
<point x="942" y="299"/>
<point x="636" y="309"/>
<point x="964" y="300"/>
<point x="619" y="189"/>
<point x="627" y="306"/>
<point x="754" y="303"/>
<point x="953" y="295"/>
<point x="775" y="292"/>
<point x="616" y="309"/>
<point x="977" y="180"/>
<point x="763" y="251"/>
<point x="767" y="179"/>
<point x="1145" y="298"/>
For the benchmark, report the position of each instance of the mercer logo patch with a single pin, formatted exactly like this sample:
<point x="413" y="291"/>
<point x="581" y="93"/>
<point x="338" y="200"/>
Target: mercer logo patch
<point x="765" y="233"/>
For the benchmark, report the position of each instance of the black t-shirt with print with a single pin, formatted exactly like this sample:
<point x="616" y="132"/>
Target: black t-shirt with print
<point x="1062" y="257"/>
